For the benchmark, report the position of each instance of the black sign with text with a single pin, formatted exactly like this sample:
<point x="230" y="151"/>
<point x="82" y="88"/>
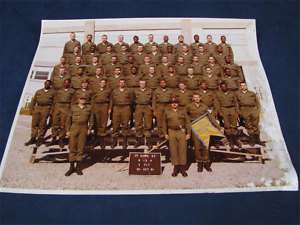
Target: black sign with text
<point x="144" y="163"/>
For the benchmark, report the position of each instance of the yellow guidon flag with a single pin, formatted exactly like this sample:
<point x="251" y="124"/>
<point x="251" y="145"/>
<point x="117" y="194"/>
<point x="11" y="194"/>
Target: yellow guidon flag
<point x="203" y="128"/>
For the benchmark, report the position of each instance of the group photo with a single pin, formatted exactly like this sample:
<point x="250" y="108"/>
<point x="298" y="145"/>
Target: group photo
<point x="160" y="105"/>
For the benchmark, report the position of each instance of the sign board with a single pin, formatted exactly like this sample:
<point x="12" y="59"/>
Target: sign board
<point x="144" y="163"/>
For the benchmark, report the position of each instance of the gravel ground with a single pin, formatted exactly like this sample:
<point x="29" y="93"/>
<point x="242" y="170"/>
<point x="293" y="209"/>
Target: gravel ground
<point x="20" y="173"/>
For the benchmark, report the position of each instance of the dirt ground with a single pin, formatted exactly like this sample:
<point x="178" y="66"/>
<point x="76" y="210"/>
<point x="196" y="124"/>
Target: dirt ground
<point x="20" y="173"/>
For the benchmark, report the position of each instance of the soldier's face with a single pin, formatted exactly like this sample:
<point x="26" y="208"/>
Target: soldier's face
<point x="47" y="85"/>
<point x="196" y="38"/>
<point x="98" y="71"/>
<point x="89" y="37"/>
<point x="223" y="39"/>
<point x="220" y="49"/>
<point x="104" y="38"/>
<point x="211" y="60"/>
<point x="102" y="83"/>
<point x="76" y="50"/>
<point x="164" y="59"/>
<point x="61" y="71"/>
<point x="133" y="70"/>
<point x="224" y="87"/>
<point x="147" y="60"/>
<point x="181" y="86"/>
<point x="169" y="49"/>
<point x="171" y="70"/>
<point x="166" y="38"/>
<point x="82" y="101"/>
<point x="62" y="60"/>
<point x="108" y="49"/>
<point x="142" y="84"/>
<point x="243" y="87"/>
<point x="228" y="72"/>
<point x="174" y="105"/>
<point x="180" y="38"/>
<point x="130" y="59"/>
<point x="180" y="60"/>
<point x="117" y="71"/>
<point x="190" y="71"/>
<point x="135" y="39"/>
<point x="123" y="48"/>
<point x="201" y="49"/>
<point x="208" y="71"/>
<point x="154" y="48"/>
<point x="72" y="36"/>
<point x="67" y="84"/>
<point x="140" y="48"/>
<point x="77" y="59"/>
<point x="121" y="38"/>
<point x="227" y="59"/>
<point x="209" y="38"/>
<point x="185" y="49"/>
<point x="151" y="38"/>
<point x="95" y="59"/>
<point x="204" y="86"/>
<point x="122" y="84"/>
<point x="162" y="84"/>
<point x="84" y="85"/>
<point x="196" y="98"/>
<point x="151" y="70"/>
<point x="113" y="59"/>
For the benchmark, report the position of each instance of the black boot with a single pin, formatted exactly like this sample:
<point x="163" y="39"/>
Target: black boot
<point x="182" y="171"/>
<point x="207" y="165"/>
<point x="114" y="142"/>
<point x="39" y="142"/>
<point x="231" y="141"/>
<point x="252" y="140"/>
<point x="61" y="143"/>
<point x="125" y="144"/>
<point x="71" y="169"/>
<point x="257" y="140"/>
<point x="138" y="142"/>
<point x="30" y="142"/>
<point x="175" y="171"/>
<point x="237" y="142"/>
<point x="102" y="142"/>
<point x="200" y="167"/>
<point x="149" y="142"/>
<point x="78" y="168"/>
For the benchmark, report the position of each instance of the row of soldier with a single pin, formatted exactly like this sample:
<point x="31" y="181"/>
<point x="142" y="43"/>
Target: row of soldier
<point x="141" y="91"/>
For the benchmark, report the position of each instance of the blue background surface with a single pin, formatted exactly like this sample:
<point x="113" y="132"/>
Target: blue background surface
<point x="278" y="39"/>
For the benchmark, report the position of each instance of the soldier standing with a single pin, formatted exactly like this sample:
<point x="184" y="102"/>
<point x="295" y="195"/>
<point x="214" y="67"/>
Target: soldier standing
<point x="70" y="45"/>
<point x="40" y="108"/>
<point x="88" y="45"/>
<point x="101" y="109"/>
<point x="177" y="129"/>
<point x="249" y="110"/>
<point x="143" y="113"/>
<point x="79" y="125"/>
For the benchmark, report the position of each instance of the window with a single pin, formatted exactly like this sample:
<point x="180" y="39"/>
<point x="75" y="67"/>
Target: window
<point x="41" y="75"/>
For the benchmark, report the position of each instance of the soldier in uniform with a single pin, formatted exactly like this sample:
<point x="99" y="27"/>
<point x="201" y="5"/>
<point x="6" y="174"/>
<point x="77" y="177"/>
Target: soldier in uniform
<point x="181" y="67"/>
<point x="171" y="55"/>
<point x="119" y="44"/>
<point x="226" y="48"/>
<point x="163" y="67"/>
<point x="139" y="55"/>
<point x="61" y="110"/>
<point x="58" y="80"/>
<point x="178" y="47"/>
<point x="121" y="101"/>
<point x="144" y="68"/>
<point x="183" y="96"/>
<point x="249" y="110"/>
<point x="107" y="55"/>
<point x="171" y="78"/>
<point x="83" y="91"/>
<point x="194" y="111"/>
<point x="79" y="125"/>
<point x="216" y="69"/>
<point x="210" y="46"/>
<point x="155" y="55"/>
<point x="62" y="64"/>
<point x="228" y="111"/>
<point x="191" y="81"/>
<point x="88" y="45"/>
<point x="186" y="54"/>
<point x="143" y="114"/>
<point x="95" y="80"/>
<point x="123" y="54"/>
<point x="134" y="46"/>
<point x="220" y="56"/>
<point x="130" y="63"/>
<point x="163" y="47"/>
<point x="74" y="68"/>
<point x="72" y="57"/>
<point x="195" y="45"/>
<point x="177" y="130"/>
<point x="101" y="108"/>
<point x="152" y="78"/>
<point x="40" y="109"/>
<point x="160" y="101"/>
<point x="202" y="55"/>
<point x="77" y="79"/>
<point x="70" y="45"/>
<point x="89" y="58"/>
<point x="114" y="79"/>
<point x="233" y="83"/>
<point x="110" y="68"/>
<point x="90" y="70"/>
<point x="236" y="70"/>
<point x="150" y="43"/>
<point x="101" y="47"/>
<point x="208" y="97"/>
<point x="197" y="66"/>
<point x="213" y="81"/>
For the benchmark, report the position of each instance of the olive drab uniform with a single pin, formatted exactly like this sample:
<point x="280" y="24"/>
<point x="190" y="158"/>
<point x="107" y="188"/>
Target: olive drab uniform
<point x="227" y="107"/>
<point x="181" y="69"/>
<point x="94" y="82"/>
<point x="236" y="70"/>
<point x="133" y="47"/>
<point x="86" y="93"/>
<point x="162" y="69"/>
<point x="58" y="81"/>
<point x="210" y="47"/>
<point x="62" y="104"/>
<point x="100" y="108"/>
<point x="194" y="111"/>
<point x="78" y="123"/>
<point x="176" y="124"/>
<point x="208" y="97"/>
<point x="203" y="58"/>
<point x="143" y="112"/>
<point x="163" y="47"/>
<point x="87" y="46"/>
<point x="101" y="47"/>
<point x="233" y="83"/>
<point x="69" y="48"/>
<point x="184" y="97"/>
<point x="160" y="102"/>
<point x="77" y="79"/>
<point x="191" y="82"/>
<point x="227" y="50"/>
<point x="155" y="58"/>
<point x="121" y="100"/>
<point x="88" y="58"/>
<point x="172" y="80"/>
<point x="148" y="46"/>
<point x="249" y="109"/>
<point x="55" y="71"/>
<point x="152" y="81"/>
<point x="40" y="107"/>
<point x="195" y="47"/>
<point x="117" y="46"/>
<point x="139" y="57"/>
<point x="213" y="81"/>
